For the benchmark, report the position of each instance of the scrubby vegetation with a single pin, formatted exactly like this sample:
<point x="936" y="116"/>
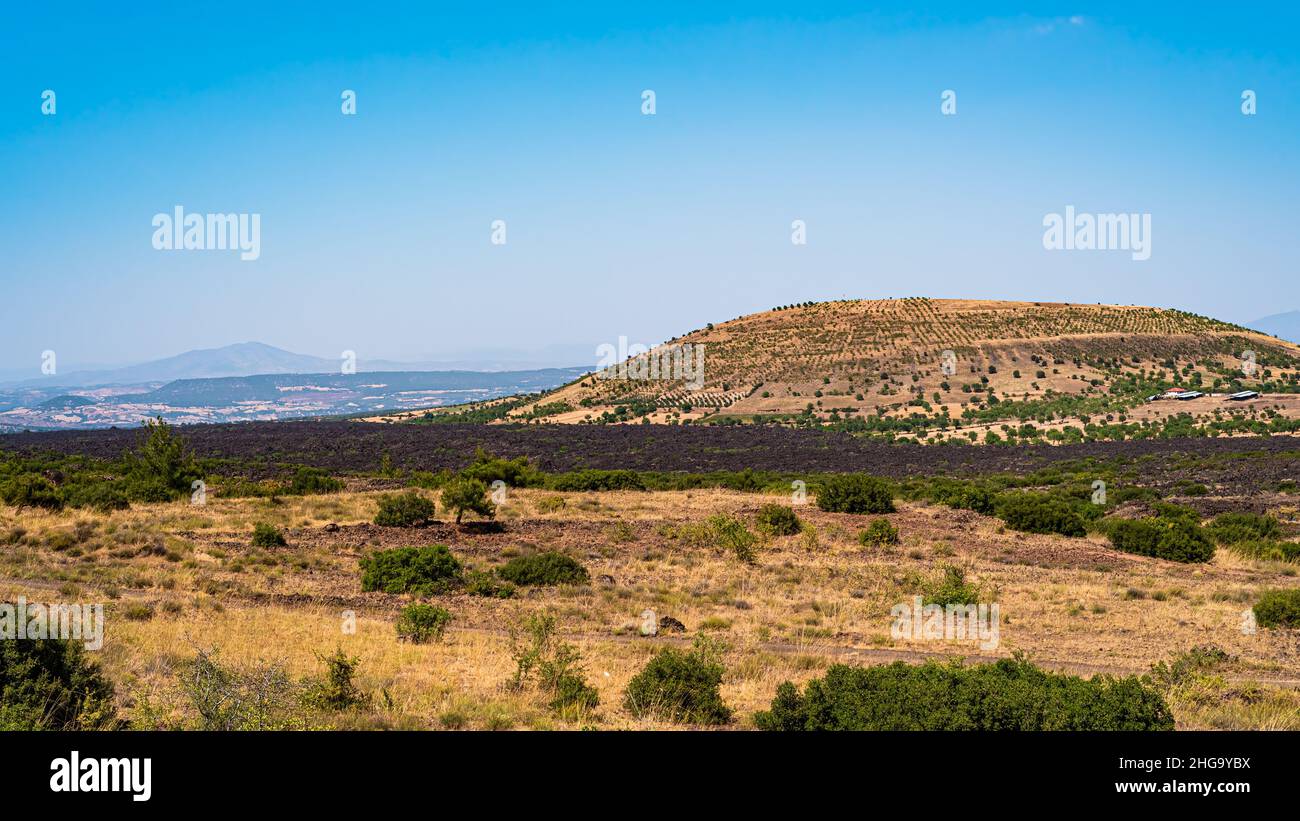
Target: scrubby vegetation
<point x="950" y="586"/>
<point x="410" y="509"/>
<point x="855" y="493"/>
<point x="554" y="665"/>
<point x="420" y="570"/>
<point x="421" y="623"/>
<point x="1010" y="694"/>
<point x="548" y="568"/>
<point x="1039" y="513"/>
<point x="464" y="495"/>
<point x="1278" y="608"/>
<point x="880" y="533"/>
<point x="1235" y="527"/>
<point x="778" y="520"/>
<point x="680" y="686"/>
<point x="51" y="684"/>
<point x="267" y="535"/>
<point x="1171" y="536"/>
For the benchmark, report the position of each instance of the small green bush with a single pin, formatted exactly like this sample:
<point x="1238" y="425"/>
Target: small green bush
<point x="778" y="520"/>
<point x="309" y="481"/>
<point x="543" y="569"/>
<point x="1231" y="528"/>
<point x="51" y="684"/>
<point x="855" y="493"/>
<point x="1278" y="608"/>
<point x="679" y="686"/>
<point x="464" y="495"/>
<point x="959" y="493"/>
<point x="408" y="509"/>
<point x="1039" y="513"/>
<point x="101" y="496"/>
<point x="1267" y="550"/>
<point x="336" y="691"/>
<point x="31" y="490"/>
<point x="420" y="570"/>
<point x="597" y="480"/>
<point x="422" y="623"/>
<point x="950" y="587"/>
<point x="516" y="472"/>
<point x="1010" y="694"/>
<point x="557" y="665"/>
<point x="161" y="469"/>
<point x="879" y="534"/>
<point x="479" y="583"/>
<point x="1176" y="540"/>
<point x="267" y="535"/>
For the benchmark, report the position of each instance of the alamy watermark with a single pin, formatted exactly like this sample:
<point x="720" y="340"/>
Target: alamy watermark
<point x="916" y="621"/>
<point x="1073" y="231"/>
<point x="179" y="231"/>
<point x="80" y="622"/>
<point x="683" y="361"/>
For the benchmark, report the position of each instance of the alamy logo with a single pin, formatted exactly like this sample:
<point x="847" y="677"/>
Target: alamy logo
<point x="180" y="231"/>
<point x="77" y="774"/>
<point x="1098" y="232"/>
<point x="916" y="621"/>
<point x="683" y="362"/>
<point x="83" y="622"/>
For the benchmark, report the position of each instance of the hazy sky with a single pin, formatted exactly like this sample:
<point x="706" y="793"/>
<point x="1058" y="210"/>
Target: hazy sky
<point x="376" y="228"/>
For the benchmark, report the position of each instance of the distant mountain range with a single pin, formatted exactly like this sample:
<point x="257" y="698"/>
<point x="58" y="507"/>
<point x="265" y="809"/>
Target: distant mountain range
<point x="1284" y="326"/>
<point x="256" y="358"/>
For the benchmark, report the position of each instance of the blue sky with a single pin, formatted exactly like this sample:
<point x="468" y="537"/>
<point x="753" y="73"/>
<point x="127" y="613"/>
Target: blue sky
<point x="376" y="227"/>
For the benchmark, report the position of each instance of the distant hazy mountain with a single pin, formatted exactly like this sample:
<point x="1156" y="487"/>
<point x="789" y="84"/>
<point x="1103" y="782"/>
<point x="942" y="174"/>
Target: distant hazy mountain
<point x="243" y="359"/>
<point x="256" y="358"/>
<point x="1285" y="326"/>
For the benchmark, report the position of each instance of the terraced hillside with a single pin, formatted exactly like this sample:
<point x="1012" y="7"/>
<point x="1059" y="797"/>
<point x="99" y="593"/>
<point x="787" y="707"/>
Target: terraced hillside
<point x="929" y="368"/>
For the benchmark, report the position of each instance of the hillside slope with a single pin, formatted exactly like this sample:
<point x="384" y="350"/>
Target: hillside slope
<point x="908" y="359"/>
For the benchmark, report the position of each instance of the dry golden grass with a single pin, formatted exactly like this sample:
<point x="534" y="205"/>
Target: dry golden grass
<point x="811" y="600"/>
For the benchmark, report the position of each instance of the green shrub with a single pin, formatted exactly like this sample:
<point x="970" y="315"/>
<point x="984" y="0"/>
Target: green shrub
<point x="420" y="570"/>
<point x="1267" y="550"/>
<point x="855" y="493"/>
<point x="879" y="533"/>
<point x="778" y="520"/>
<point x="1176" y="540"/>
<point x="950" y="587"/>
<point x="408" y="509"/>
<point x="516" y="472"/>
<point x="225" y="698"/>
<point x="308" y="481"/>
<point x="1278" y="608"/>
<point x="479" y="583"/>
<point x="556" y="665"/>
<point x="1039" y="513"/>
<point x="597" y="480"/>
<point x="1176" y="512"/>
<point x="31" y="490"/>
<point x="1010" y="694"/>
<point x="464" y="495"/>
<point x="1231" y="528"/>
<point x="336" y="691"/>
<point x="267" y="535"/>
<point x="958" y="493"/>
<point x="102" y="496"/>
<point x="679" y="686"/>
<point x="161" y="469"/>
<point x="422" y="623"/>
<point x="543" y="569"/>
<point x="730" y="533"/>
<point x="51" y="684"/>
